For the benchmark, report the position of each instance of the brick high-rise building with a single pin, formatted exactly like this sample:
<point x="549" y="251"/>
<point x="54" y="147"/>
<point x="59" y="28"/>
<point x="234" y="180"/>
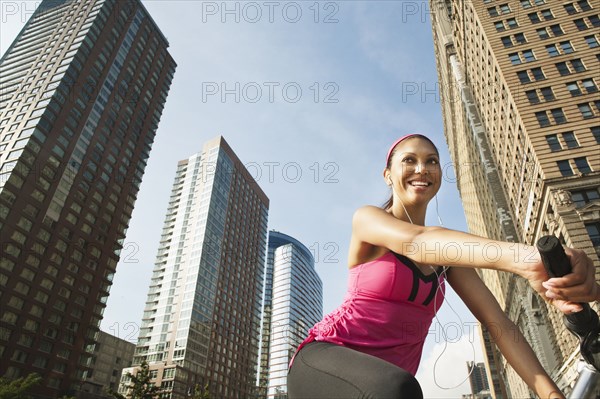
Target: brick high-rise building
<point x="82" y="89"/>
<point x="201" y="323"/>
<point x="521" y="108"/>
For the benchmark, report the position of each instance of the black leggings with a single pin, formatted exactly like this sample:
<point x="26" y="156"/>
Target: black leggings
<point x="325" y="370"/>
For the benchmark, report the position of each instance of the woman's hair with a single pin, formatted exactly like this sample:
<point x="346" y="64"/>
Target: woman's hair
<point x="388" y="204"/>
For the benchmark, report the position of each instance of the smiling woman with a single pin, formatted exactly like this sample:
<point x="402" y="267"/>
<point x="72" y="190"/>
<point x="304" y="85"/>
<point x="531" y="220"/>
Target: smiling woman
<point x="371" y="345"/>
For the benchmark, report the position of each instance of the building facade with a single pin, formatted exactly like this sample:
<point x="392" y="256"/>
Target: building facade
<point x="111" y="355"/>
<point x="477" y="377"/>
<point x="521" y="110"/>
<point x="292" y="304"/>
<point x="201" y="323"/>
<point x="82" y="90"/>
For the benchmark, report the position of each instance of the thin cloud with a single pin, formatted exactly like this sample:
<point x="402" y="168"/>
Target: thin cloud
<point x="443" y="372"/>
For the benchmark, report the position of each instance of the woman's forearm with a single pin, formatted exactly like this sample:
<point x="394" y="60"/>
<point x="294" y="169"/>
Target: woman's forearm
<point x="441" y="246"/>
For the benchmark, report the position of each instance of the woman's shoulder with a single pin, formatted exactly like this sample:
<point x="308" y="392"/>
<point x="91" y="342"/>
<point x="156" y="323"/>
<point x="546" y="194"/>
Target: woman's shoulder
<point x="366" y="213"/>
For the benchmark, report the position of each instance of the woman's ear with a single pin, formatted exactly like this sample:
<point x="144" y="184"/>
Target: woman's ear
<point x="386" y="176"/>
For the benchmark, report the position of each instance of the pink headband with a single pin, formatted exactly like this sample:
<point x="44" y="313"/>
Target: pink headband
<point x="387" y="159"/>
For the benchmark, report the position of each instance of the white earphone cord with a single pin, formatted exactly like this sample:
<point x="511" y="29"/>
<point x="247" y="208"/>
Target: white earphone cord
<point x="438" y="289"/>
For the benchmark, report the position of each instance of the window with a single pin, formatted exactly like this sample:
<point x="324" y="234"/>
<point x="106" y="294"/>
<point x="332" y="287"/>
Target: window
<point x="584" y="5"/>
<point x="573" y="88"/>
<point x="553" y="142"/>
<point x="528" y="55"/>
<point x="520" y="38"/>
<point x="542" y="33"/>
<point x="565" y="168"/>
<point x="566" y="47"/>
<point x="547" y="93"/>
<point x="570" y="140"/>
<point x="558" y="115"/>
<point x="512" y="23"/>
<point x="591" y="41"/>
<point x="493" y="11"/>
<point x="539" y="2"/>
<point x="532" y="96"/>
<point x="506" y="41"/>
<point x="593" y="230"/>
<point x="582" y="197"/>
<point x="504" y="9"/>
<point x="534" y="17"/>
<point x="570" y="8"/>
<point x="514" y="58"/>
<point x="556" y="30"/>
<point x="589" y="85"/>
<point x="596" y="133"/>
<point x="578" y="65"/>
<point x="552" y="50"/>
<point x="582" y="165"/>
<point x="525" y="4"/>
<point x="580" y="24"/>
<point x="538" y="74"/>
<point x="542" y="118"/>
<point x="594" y="20"/>
<point x="500" y="26"/>
<point x="586" y="110"/>
<point x="547" y="14"/>
<point x="562" y="68"/>
<point x="523" y="77"/>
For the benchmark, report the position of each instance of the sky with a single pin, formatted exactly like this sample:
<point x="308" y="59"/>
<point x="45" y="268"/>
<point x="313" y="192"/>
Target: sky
<point x="309" y="95"/>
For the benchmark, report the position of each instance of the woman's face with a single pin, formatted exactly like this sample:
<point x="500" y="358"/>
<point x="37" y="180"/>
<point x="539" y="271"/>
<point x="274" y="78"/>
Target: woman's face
<point x="415" y="172"/>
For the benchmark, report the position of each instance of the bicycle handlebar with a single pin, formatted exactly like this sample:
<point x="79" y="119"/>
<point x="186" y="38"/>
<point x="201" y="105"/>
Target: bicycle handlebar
<point x="557" y="265"/>
<point x="585" y="323"/>
<point x="553" y="256"/>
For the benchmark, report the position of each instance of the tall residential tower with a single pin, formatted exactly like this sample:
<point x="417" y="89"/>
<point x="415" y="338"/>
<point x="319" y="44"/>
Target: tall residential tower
<point x="293" y="303"/>
<point x="82" y="90"/>
<point x="521" y="107"/>
<point x="201" y="323"/>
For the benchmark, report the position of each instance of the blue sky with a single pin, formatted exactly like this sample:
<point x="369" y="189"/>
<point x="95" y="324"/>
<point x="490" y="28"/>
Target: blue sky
<point x="309" y="95"/>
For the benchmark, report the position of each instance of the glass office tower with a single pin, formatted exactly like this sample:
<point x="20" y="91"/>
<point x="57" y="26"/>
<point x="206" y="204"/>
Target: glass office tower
<point x="293" y="303"/>
<point x="82" y="91"/>
<point x="201" y="322"/>
<point x="521" y="107"/>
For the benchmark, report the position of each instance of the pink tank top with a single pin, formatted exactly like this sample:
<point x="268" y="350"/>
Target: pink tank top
<point x="386" y="313"/>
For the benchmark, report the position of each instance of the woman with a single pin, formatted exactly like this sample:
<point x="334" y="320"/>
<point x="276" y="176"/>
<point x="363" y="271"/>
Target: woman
<point x="370" y="347"/>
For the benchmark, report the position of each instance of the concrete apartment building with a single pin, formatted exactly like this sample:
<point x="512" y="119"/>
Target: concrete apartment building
<point x="519" y="93"/>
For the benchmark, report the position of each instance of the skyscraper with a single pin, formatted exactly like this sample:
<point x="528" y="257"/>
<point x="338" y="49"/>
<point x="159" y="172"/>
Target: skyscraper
<point x="293" y="303"/>
<point x="82" y="91"/>
<point x="519" y="88"/>
<point x="477" y="378"/>
<point x="201" y="322"/>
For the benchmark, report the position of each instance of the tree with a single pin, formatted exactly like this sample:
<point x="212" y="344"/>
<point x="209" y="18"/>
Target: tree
<point x="17" y="389"/>
<point x="201" y="393"/>
<point x="141" y="386"/>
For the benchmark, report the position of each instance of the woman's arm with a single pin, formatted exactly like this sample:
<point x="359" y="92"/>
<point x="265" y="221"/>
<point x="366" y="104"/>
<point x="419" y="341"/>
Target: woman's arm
<point x="445" y="247"/>
<point x="504" y="332"/>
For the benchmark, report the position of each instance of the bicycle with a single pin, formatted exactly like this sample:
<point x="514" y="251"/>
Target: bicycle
<point x="584" y="324"/>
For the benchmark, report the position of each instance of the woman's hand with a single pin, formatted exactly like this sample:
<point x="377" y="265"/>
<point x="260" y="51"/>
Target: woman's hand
<point x="578" y="286"/>
<point x="565" y="292"/>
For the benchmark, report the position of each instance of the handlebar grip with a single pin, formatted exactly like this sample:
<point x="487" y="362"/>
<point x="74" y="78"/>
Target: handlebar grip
<point x="553" y="256"/>
<point x="557" y="264"/>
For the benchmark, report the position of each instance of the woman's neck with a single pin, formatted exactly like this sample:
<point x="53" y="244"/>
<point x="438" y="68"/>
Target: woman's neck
<point x="414" y="215"/>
